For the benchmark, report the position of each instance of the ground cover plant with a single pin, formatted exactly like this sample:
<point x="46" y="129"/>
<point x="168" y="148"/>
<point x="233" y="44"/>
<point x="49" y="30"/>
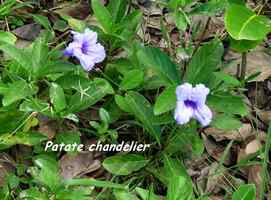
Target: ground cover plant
<point x="135" y="99"/>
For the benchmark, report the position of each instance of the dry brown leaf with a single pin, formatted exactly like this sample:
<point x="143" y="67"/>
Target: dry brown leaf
<point x="253" y="147"/>
<point x="254" y="176"/>
<point x="216" y="150"/>
<point x="238" y="135"/>
<point x="76" y="165"/>
<point x="28" y="32"/>
<point x="7" y="165"/>
<point x="257" y="60"/>
<point x="264" y="115"/>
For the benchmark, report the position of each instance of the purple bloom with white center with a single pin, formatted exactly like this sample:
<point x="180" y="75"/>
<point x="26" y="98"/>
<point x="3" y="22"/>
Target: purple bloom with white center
<point x="86" y="49"/>
<point x="191" y="104"/>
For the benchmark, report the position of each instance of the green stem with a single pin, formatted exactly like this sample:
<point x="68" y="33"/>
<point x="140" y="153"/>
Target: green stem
<point x="243" y="66"/>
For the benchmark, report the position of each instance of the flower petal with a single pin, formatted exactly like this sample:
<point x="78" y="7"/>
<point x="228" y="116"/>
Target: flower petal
<point x="97" y="52"/>
<point x="70" y="48"/>
<point x="184" y="91"/>
<point x="182" y="113"/>
<point x="199" y="94"/>
<point x="85" y="60"/>
<point x="90" y="36"/>
<point x="203" y="114"/>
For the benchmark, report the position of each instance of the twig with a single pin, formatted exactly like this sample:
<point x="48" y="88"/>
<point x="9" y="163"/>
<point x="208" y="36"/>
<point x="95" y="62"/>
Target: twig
<point x="243" y="66"/>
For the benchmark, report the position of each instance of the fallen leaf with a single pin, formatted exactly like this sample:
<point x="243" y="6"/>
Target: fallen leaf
<point x="7" y="165"/>
<point x="28" y="32"/>
<point x="216" y="150"/>
<point x="77" y="165"/>
<point x="240" y="135"/>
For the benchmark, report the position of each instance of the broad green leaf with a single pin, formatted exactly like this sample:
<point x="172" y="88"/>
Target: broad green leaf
<point x="245" y="192"/>
<point x="243" y="24"/>
<point x="19" y="55"/>
<point x="226" y="78"/>
<point x="166" y="101"/>
<point x="124" y="164"/>
<point x="92" y="182"/>
<point x="68" y="138"/>
<point x="39" y="54"/>
<point x="34" y="193"/>
<point x="57" y="97"/>
<point x="124" y="195"/>
<point x="102" y="15"/>
<point x="10" y="120"/>
<point x="188" y="139"/>
<point x="120" y="101"/>
<point x="204" y="62"/>
<point x="16" y="91"/>
<point x="243" y="45"/>
<point x="7" y="37"/>
<point x="146" y="194"/>
<point x="89" y="94"/>
<point x="160" y="62"/>
<point x="42" y="20"/>
<point x="177" y="178"/>
<point x="53" y="67"/>
<point x="142" y="110"/>
<point x="48" y="174"/>
<point x="132" y="79"/>
<point x="227" y="103"/>
<point x="25" y="138"/>
<point x="76" y="24"/>
<point x="209" y="8"/>
<point x="226" y="122"/>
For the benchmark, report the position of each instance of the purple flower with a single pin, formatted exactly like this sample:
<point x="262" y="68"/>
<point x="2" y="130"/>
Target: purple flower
<point x="86" y="49"/>
<point x="191" y="104"/>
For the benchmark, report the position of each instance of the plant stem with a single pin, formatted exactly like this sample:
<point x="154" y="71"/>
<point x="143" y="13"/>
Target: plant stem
<point x="243" y="66"/>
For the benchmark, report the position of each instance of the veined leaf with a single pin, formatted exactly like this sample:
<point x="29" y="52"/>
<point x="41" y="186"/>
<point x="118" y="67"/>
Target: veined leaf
<point x="243" y="24"/>
<point x="160" y="62"/>
<point x="143" y="111"/>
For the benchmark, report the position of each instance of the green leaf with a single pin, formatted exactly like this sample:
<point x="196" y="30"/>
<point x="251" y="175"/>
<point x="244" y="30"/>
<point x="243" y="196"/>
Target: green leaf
<point x="39" y="53"/>
<point x="245" y="192"/>
<point x="124" y="195"/>
<point x="226" y="78"/>
<point x="166" y="101"/>
<point x="68" y="138"/>
<point x="177" y="178"/>
<point x="7" y="37"/>
<point x="102" y="15"/>
<point x="124" y="164"/>
<point x="48" y="174"/>
<point x="146" y="194"/>
<point x="16" y="91"/>
<point x="132" y="79"/>
<point x="227" y="103"/>
<point x="19" y="55"/>
<point x="142" y="110"/>
<point x="92" y="182"/>
<point x="25" y="138"/>
<point x="204" y="62"/>
<point x="120" y="101"/>
<point x="89" y="94"/>
<point x="10" y="120"/>
<point x="243" y="45"/>
<point x="226" y="122"/>
<point x="117" y="9"/>
<point x="42" y="20"/>
<point x="75" y="24"/>
<point x="182" y="20"/>
<point x="188" y="139"/>
<point x="160" y="62"/>
<point x="243" y="24"/>
<point x="57" y="97"/>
